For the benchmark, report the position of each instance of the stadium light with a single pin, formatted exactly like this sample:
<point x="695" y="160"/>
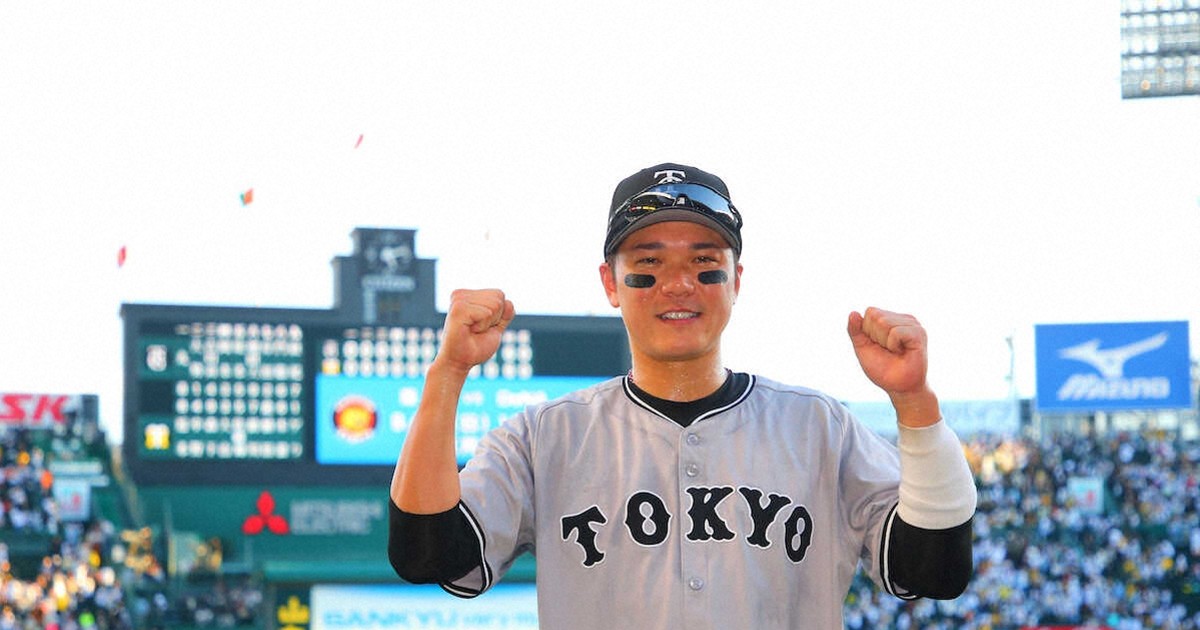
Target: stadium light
<point x="1160" y="48"/>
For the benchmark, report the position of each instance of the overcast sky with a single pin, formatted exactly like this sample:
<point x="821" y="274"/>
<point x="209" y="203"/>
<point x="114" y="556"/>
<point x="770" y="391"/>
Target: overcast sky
<point x="972" y="163"/>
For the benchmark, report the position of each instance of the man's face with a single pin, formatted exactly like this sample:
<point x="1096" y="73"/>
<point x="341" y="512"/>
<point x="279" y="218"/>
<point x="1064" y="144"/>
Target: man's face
<point x="685" y="281"/>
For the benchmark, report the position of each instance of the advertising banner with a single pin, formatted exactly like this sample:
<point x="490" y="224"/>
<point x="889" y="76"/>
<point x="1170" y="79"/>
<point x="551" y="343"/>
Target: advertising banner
<point x="1065" y="628"/>
<point x="74" y="499"/>
<point x="364" y="420"/>
<point x="968" y="417"/>
<point x="280" y="523"/>
<point x="348" y="607"/>
<point x="1113" y="366"/>
<point x="36" y="411"/>
<point x="1086" y="494"/>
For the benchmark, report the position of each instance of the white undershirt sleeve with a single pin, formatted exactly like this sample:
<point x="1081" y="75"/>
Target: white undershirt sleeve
<point x="937" y="490"/>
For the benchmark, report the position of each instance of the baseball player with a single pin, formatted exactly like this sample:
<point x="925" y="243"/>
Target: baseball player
<point x="684" y="494"/>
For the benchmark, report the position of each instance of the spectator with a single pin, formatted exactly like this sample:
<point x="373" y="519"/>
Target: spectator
<point x="1041" y="559"/>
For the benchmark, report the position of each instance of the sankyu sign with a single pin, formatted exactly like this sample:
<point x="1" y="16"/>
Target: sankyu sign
<point x="1105" y="367"/>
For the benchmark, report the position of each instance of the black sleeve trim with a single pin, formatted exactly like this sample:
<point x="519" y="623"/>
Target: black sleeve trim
<point x="432" y="548"/>
<point x="479" y="543"/>
<point x="933" y="563"/>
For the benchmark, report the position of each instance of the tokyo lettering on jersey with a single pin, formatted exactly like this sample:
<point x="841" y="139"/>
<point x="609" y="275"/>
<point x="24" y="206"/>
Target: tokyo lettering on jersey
<point x="758" y="514"/>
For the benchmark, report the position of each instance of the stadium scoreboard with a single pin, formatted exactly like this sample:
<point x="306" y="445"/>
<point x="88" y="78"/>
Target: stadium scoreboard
<point x="218" y="390"/>
<point x="305" y="396"/>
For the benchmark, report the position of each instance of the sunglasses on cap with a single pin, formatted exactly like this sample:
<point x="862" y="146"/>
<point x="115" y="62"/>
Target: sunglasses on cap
<point x="696" y="197"/>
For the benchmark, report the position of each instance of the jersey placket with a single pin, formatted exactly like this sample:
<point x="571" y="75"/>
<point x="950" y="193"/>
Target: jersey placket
<point x="693" y="555"/>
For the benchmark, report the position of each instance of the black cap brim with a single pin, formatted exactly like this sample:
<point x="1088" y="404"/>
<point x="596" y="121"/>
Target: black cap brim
<point x="672" y="214"/>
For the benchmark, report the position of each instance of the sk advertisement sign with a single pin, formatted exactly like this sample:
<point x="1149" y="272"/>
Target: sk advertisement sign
<point x="35" y="411"/>
<point x="1110" y="367"/>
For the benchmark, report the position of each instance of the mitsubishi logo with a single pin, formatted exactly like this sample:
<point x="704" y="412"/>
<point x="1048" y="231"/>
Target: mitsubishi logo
<point x="1111" y="362"/>
<point x="669" y="176"/>
<point x="265" y="517"/>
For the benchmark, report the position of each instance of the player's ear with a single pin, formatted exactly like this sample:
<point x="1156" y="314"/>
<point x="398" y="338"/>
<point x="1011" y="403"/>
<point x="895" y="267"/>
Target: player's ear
<point x="608" y="279"/>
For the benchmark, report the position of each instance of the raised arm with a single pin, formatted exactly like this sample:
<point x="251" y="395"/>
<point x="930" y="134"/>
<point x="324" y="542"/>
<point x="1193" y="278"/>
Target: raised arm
<point x="426" y="476"/>
<point x="928" y="545"/>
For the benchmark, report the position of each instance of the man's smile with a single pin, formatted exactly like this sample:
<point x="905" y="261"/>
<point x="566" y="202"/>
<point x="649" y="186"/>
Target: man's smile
<point x="678" y="315"/>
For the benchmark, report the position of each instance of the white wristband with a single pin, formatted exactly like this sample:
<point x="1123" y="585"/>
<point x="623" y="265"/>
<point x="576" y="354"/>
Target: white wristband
<point x="937" y="490"/>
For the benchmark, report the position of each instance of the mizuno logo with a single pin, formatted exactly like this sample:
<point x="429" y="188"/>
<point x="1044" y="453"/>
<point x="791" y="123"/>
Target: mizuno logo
<point x="1092" y="387"/>
<point x="1111" y="362"/>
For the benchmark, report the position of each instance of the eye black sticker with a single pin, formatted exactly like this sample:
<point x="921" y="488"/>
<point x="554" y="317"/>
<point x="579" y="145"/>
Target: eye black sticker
<point x="639" y="280"/>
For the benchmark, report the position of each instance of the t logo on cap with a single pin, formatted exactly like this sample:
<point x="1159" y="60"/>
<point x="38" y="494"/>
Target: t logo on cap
<point x="669" y="176"/>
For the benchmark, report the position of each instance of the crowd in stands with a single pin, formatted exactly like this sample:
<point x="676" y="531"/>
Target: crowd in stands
<point x="1046" y="556"/>
<point x="72" y="587"/>
<point x="85" y="580"/>
<point x="26" y="502"/>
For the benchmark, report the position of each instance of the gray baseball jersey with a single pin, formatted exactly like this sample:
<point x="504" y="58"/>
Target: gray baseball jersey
<point x="757" y="515"/>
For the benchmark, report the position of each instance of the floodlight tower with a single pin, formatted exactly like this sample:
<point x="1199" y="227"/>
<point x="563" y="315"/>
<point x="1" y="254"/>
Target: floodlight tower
<point x="1160" y="48"/>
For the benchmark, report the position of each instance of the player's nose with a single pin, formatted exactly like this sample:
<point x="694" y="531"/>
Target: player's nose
<point x="678" y="282"/>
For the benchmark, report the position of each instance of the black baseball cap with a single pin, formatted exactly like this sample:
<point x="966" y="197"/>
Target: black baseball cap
<point x="672" y="192"/>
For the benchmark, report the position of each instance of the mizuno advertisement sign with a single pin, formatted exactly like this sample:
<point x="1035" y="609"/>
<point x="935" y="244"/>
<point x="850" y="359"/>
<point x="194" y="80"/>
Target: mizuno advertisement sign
<point x="1110" y="367"/>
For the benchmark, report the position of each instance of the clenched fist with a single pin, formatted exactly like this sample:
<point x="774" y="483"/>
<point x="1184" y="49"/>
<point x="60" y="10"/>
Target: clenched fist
<point x="892" y="350"/>
<point x="474" y="324"/>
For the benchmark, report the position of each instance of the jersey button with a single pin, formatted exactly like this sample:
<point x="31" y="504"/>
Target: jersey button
<point x="692" y="470"/>
<point x="695" y="584"/>
<point x="693" y="439"/>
